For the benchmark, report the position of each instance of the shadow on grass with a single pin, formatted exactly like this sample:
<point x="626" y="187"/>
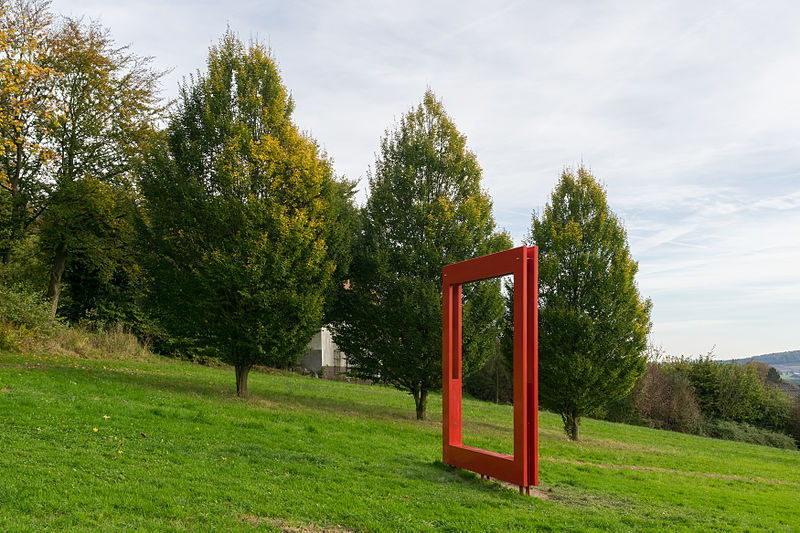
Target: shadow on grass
<point x="340" y="407"/>
<point x="469" y="480"/>
<point x="258" y="395"/>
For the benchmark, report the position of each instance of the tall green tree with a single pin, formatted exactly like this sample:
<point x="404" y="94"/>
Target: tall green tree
<point x="593" y="324"/>
<point x="28" y="111"/>
<point x="426" y="209"/>
<point x="111" y="103"/>
<point x="240" y="208"/>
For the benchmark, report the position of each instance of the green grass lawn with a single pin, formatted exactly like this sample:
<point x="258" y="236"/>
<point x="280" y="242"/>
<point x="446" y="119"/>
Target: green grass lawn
<point x="166" y="445"/>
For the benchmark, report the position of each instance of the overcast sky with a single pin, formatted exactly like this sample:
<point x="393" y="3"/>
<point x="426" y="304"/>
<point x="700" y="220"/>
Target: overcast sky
<point x="688" y="112"/>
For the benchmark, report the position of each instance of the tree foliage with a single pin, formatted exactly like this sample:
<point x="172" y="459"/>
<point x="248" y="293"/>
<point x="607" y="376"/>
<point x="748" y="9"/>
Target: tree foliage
<point x="718" y="399"/>
<point x="426" y="209"/>
<point x="238" y="208"/>
<point x="730" y="391"/>
<point x="493" y="382"/>
<point x="28" y="111"/>
<point x="766" y="373"/>
<point x="793" y="421"/>
<point x="111" y="107"/>
<point x="593" y="324"/>
<point x="665" y="399"/>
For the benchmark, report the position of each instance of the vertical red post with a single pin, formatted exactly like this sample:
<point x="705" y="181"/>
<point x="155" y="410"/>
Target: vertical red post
<point x="533" y="365"/>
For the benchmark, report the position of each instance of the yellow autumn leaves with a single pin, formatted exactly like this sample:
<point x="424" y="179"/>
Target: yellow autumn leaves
<point x="27" y="108"/>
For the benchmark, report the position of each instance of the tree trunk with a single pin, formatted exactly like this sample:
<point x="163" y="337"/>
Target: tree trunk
<point x="572" y="423"/>
<point x="18" y="207"/>
<point x="54" y="285"/>
<point x="497" y="384"/>
<point x="421" y="401"/>
<point x="241" y="379"/>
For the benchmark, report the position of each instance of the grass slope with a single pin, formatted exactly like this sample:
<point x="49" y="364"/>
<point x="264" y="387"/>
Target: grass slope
<point x="164" y="445"/>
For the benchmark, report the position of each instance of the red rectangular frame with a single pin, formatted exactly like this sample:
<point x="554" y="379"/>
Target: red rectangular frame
<point x="522" y="468"/>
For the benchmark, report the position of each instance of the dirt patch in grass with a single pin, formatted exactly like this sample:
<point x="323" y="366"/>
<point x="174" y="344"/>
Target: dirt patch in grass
<point x="710" y="475"/>
<point x="534" y="492"/>
<point x="289" y="528"/>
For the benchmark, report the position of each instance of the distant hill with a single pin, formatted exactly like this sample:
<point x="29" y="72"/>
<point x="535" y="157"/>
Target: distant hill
<point x="774" y="359"/>
<point x="787" y="363"/>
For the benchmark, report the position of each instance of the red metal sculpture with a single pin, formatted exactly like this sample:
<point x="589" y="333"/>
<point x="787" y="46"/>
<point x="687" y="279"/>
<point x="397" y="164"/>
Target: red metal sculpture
<point x="522" y="468"/>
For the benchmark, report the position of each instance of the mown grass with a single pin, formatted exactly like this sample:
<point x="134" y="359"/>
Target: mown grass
<point x="176" y="450"/>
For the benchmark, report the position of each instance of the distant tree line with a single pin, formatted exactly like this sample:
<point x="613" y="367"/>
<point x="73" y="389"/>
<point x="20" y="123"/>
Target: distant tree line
<point x="746" y="402"/>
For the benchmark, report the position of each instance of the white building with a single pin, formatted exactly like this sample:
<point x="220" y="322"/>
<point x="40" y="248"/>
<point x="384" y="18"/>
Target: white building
<point x="324" y="356"/>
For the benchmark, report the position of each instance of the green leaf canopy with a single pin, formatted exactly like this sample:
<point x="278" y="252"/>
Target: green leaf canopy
<point x="593" y="325"/>
<point x="426" y="209"/>
<point x="238" y="211"/>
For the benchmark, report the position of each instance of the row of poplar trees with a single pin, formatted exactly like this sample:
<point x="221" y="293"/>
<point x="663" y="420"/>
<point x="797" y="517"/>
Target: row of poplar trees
<point x="215" y="224"/>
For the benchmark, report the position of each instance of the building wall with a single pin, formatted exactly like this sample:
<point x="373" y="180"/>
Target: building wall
<point x="323" y="353"/>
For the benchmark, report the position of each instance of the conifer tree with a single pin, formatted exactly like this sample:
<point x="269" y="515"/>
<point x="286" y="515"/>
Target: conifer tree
<point x="238" y="208"/>
<point x="593" y="324"/>
<point x="426" y="209"/>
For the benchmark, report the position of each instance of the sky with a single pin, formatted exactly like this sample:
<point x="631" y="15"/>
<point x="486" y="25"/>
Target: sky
<point x="687" y="112"/>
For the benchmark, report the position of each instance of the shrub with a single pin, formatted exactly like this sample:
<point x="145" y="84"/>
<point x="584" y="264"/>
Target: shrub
<point x="667" y="400"/>
<point x="662" y="398"/>
<point x="735" y="392"/>
<point x="704" y="375"/>
<point x="742" y="432"/>
<point x="20" y="306"/>
<point x="775" y="408"/>
<point x="24" y="316"/>
<point x="793" y="421"/>
<point x="112" y="343"/>
<point x="9" y="340"/>
<point x="711" y="398"/>
<point x="25" y="325"/>
<point x="625" y="410"/>
<point x="740" y="393"/>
